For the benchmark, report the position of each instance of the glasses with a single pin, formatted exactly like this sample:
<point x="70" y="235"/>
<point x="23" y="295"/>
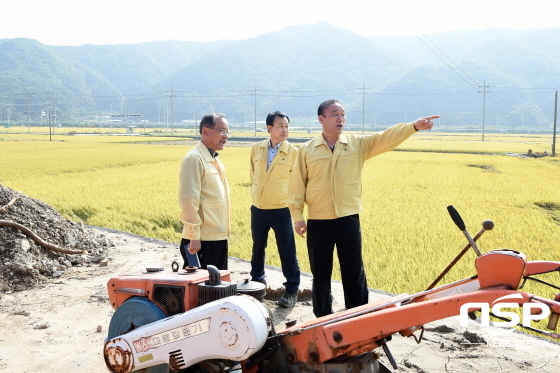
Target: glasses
<point x="223" y="132"/>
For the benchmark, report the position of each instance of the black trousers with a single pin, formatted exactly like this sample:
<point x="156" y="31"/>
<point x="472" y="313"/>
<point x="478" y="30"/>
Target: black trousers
<point x="280" y="221"/>
<point x="212" y="252"/>
<point x="322" y="237"/>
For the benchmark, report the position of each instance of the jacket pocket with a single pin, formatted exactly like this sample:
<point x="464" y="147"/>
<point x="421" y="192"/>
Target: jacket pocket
<point x="212" y="186"/>
<point x="349" y="165"/>
<point x="318" y="168"/>
<point x="352" y="194"/>
<point x="280" y="174"/>
<point x="313" y="196"/>
<point x="214" y="216"/>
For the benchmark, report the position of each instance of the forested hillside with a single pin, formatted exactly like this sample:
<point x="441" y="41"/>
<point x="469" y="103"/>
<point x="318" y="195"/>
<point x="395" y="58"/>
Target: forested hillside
<point x="133" y="68"/>
<point x="511" y="76"/>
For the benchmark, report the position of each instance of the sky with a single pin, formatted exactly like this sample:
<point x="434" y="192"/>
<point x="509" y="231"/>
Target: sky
<point x="79" y="22"/>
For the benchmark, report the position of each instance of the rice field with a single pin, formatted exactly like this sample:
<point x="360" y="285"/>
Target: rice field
<point x="129" y="183"/>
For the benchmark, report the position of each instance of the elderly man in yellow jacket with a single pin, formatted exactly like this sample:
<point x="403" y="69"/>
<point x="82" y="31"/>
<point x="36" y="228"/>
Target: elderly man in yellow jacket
<point x="271" y="164"/>
<point x="204" y="196"/>
<point x="327" y="176"/>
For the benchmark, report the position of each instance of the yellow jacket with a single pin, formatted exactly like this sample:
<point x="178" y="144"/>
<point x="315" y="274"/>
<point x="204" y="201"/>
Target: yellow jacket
<point x="269" y="188"/>
<point x="330" y="183"/>
<point x="204" y="196"/>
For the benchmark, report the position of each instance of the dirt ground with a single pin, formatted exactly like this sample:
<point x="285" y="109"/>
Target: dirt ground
<point x="61" y="326"/>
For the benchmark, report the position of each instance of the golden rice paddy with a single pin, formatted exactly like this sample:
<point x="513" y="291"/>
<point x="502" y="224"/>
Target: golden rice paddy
<point x="129" y="183"/>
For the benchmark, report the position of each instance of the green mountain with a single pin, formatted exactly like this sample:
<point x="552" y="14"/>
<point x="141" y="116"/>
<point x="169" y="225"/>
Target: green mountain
<point x="133" y="68"/>
<point x="34" y="78"/>
<point x="510" y="76"/>
<point x="320" y="59"/>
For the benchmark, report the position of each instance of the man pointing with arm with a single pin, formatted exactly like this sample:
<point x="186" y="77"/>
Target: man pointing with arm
<point x="327" y="176"/>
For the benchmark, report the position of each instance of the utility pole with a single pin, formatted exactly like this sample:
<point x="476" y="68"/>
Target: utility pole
<point x="50" y="132"/>
<point x="484" y="91"/>
<point x="554" y="132"/>
<point x="124" y="117"/>
<point x="111" y="116"/>
<point x="171" y="95"/>
<point x="195" y="129"/>
<point x="363" y="107"/>
<point x="28" y="112"/>
<point x="255" y="93"/>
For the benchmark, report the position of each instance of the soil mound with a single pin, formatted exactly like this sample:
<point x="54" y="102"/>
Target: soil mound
<point x="37" y="243"/>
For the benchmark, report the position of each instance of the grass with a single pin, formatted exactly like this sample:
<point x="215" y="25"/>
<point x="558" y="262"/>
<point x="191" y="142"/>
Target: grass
<point x="124" y="183"/>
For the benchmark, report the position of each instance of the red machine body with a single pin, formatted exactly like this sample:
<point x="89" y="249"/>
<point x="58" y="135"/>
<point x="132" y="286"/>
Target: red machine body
<point x="343" y="341"/>
<point x="173" y="292"/>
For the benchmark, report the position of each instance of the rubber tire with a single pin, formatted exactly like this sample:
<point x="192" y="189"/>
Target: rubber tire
<point x="133" y="313"/>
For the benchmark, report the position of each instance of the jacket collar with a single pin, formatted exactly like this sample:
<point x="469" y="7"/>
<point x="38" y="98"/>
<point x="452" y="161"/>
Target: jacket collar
<point x="205" y="152"/>
<point x="320" y="140"/>
<point x="284" y="145"/>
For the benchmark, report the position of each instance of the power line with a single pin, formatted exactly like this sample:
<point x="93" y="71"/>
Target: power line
<point x="446" y="64"/>
<point x="264" y="92"/>
<point x="454" y="64"/>
<point x="484" y="92"/>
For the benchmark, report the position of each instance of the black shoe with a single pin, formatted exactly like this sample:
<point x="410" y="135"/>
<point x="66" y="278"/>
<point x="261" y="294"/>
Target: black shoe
<point x="288" y="299"/>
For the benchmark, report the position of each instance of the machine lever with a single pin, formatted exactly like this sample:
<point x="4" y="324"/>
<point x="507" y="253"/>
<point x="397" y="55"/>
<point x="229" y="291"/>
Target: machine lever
<point x="461" y="225"/>
<point x="383" y="343"/>
<point x="486" y="226"/>
<point x="456" y="218"/>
